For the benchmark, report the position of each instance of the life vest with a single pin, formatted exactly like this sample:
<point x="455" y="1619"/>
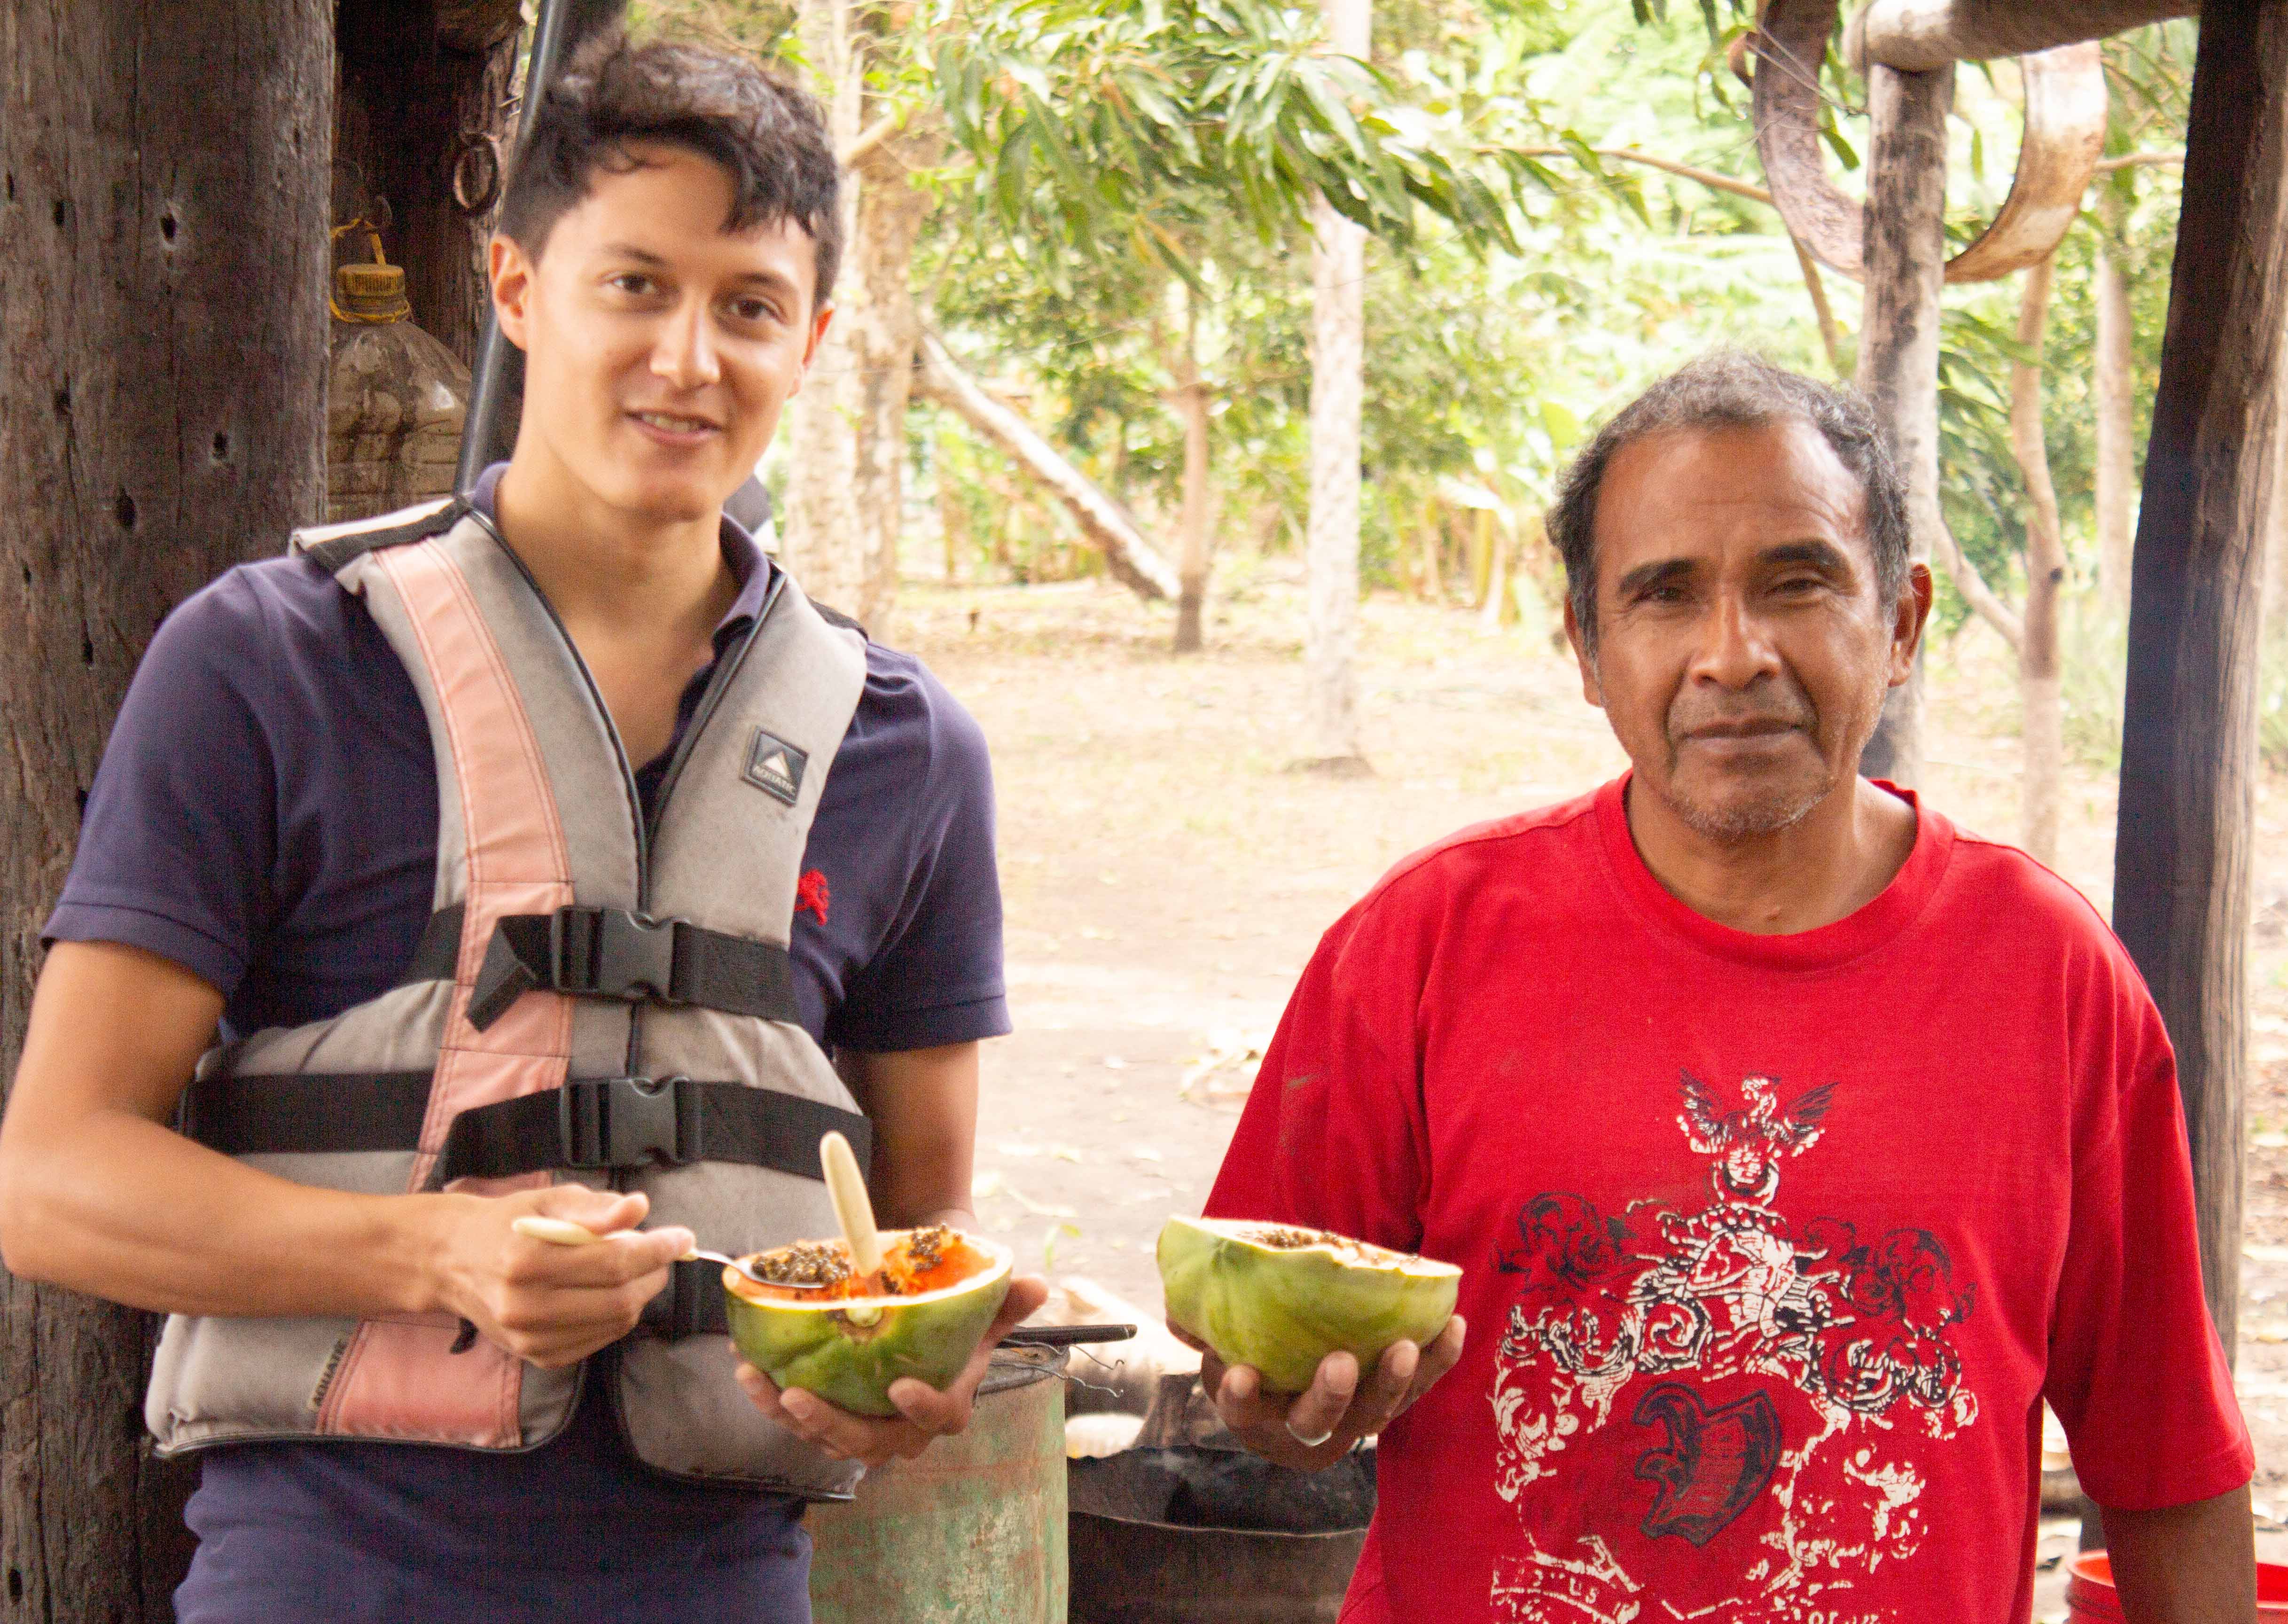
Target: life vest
<point x="596" y="997"/>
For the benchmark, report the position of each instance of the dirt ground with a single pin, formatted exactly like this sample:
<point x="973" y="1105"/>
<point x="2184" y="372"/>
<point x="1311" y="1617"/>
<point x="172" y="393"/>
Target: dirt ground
<point x="1166" y="877"/>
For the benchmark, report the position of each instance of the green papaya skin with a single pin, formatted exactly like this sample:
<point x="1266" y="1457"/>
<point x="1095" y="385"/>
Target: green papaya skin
<point x="849" y="1351"/>
<point x="1283" y="1308"/>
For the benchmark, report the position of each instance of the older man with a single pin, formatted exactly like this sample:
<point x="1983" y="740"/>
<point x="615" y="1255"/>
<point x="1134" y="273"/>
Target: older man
<point x="1796" y="1144"/>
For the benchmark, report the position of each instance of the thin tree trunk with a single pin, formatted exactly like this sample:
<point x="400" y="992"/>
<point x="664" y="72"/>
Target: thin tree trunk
<point x="884" y="328"/>
<point x="1104" y="523"/>
<point x="1191" y="400"/>
<point x="1981" y="597"/>
<point x="1337" y="393"/>
<point x="1898" y="338"/>
<point x="2042" y="727"/>
<point x="2180" y="887"/>
<point x="1831" y="335"/>
<point x="162" y="374"/>
<point x="2117" y="452"/>
<point x="824" y="537"/>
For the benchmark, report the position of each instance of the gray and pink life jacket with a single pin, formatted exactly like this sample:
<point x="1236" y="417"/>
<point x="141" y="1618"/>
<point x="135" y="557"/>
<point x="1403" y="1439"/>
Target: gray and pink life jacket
<point x="598" y="995"/>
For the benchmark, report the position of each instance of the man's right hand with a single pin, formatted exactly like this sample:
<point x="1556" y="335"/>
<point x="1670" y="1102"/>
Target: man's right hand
<point x="550" y="1303"/>
<point x="1316" y="1428"/>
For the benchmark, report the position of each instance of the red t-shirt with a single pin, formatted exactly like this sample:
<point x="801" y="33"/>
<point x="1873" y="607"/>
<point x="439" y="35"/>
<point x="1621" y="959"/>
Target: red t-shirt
<point x="1772" y="1246"/>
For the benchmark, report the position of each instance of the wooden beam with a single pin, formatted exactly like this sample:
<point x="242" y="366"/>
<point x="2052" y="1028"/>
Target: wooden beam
<point x="1905" y="237"/>
<point x="1917" y="35"/>
<point x="163" y="379"/>
<point x="2180" y="884"/>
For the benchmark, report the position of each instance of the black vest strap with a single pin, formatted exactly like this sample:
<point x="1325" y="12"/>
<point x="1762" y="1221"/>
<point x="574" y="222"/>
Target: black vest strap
<point x="691" y="1305"/>
<point x="437" y="956"/>
<point x="610" y="952"/>
<point x="591" y="1124"/>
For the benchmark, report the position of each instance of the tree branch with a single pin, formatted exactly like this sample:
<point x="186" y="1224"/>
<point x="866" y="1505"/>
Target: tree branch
<point x="1629" y="154"/>
<point x="1976" y="592"/>
<point x="2137" y="160"/>
<point x="1103" y="522"/>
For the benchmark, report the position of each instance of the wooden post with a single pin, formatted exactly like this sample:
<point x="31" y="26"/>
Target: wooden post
<point x="163" y="377"/>
<point x="2180" y="884"/>
<point x="1898" y="336"/>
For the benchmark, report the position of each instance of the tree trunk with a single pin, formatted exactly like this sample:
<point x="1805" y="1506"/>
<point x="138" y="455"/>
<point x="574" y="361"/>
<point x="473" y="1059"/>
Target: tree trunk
<point x="2117" y="450"/>
<point x="1898" y="338"/>
<point x="1104" y="523"/>
<point x="2042" y="700"/>
<point x="1191" y="400"/>
<point x="1338" y="391"/>
<point x="824" y="537"/>
<point x="422" y="84"/>
<point x="2180" y="884"/>
<point x="884" y="328"/>
<point x="162" y="367"/>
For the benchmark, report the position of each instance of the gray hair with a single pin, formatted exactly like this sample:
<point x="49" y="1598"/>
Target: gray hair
<point x="1731" y="389"/>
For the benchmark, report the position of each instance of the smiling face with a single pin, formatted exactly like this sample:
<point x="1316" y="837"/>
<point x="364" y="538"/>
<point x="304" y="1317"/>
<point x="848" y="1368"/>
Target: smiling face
<point x="660" y="348"/>
<point x="1742" y="647"/>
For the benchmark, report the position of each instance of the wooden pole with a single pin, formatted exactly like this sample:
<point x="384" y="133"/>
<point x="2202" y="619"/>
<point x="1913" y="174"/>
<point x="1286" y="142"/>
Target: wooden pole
<point x="2180" y="884"/>
<point x="1898" y="337"/>
<point x="162" y="378"/>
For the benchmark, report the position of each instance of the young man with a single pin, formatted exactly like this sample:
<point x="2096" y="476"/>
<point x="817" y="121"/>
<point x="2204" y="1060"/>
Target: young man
<point x="1795" y="1143"/>
<point x="399" y="813"/>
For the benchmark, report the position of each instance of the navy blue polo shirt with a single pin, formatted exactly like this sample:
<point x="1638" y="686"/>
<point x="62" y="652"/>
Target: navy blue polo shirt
<point x="266" y="815"/>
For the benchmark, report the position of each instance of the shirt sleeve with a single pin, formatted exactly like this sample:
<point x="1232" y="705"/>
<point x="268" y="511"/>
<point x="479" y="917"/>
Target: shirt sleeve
<point x="937" y="976"/>
<point x="1334" y="1134"/>
<point x="176" y="843"/>
<point x="2136" y="1373"/>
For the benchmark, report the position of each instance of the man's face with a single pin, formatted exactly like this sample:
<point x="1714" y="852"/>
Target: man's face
<point x="1742" y="647"/>
<point x="660" y="348"/>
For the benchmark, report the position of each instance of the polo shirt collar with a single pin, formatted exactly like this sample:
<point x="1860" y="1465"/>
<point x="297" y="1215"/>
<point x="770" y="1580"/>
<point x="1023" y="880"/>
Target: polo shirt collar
<point x="743" y="555"/>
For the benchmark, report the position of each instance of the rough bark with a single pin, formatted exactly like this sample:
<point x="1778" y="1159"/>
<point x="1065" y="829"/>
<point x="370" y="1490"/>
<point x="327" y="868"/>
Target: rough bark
<point x="2117" y="450"/>
<point x="1190" y="399"/>
<point x="823" y="539"/>
<point x="1898" y="338"/>
<point x="883" y="329"/>
<point x="1103" y="522"/>
<point x="162" y="349"/>
<point x="418" y="81"/>
<point x="2181" y="859"/>
<point x="2042" y="700"/>
<point x="1919" y="34"/>
<point x="1330" y="722"/>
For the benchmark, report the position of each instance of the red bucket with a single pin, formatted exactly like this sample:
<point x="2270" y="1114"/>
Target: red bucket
<point x="2092" y="1599"/>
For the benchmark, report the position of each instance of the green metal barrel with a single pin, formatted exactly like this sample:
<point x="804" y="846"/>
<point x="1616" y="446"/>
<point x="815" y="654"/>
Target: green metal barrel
<point x="971" y="1532"/>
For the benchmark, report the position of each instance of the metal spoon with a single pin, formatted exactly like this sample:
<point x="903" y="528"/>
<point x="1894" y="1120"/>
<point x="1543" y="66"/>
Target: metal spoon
<point x="564" y="1232"/>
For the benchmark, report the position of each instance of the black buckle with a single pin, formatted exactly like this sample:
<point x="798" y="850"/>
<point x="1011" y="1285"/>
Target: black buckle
<point x="626" y="1121"/>
<point x="610" y="952"/>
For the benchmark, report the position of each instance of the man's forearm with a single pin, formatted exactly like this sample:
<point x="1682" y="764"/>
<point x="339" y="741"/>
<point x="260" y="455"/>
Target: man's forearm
<point x="2185" y="1565"/>
<point x="134" y="1212"/>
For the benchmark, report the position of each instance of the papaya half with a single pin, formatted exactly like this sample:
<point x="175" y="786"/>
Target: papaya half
<point x="1282" y="1298"/>
<point x="922" y="1314"/>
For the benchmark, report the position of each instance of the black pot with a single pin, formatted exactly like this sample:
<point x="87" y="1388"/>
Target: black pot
<point x="1188" y="1535"/>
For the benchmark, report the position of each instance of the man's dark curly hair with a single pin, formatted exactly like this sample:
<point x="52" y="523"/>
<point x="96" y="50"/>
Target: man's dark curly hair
<point x="766" y="134"/>
<point x="1730" y="389"/>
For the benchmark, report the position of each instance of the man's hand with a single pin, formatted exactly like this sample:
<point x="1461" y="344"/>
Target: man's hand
<point x="925" y="1412"/>
<point x="1318" y="1427"/>
<point x="549" y="1303"/>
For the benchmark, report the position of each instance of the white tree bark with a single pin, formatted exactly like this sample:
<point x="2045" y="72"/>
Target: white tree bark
<point x="2117" y="455"/>
<point x="1337" y="388"/>
<point x="1191" y="397"/>
<point x="823" y="539"/>
<point x="2042" y="726"/>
